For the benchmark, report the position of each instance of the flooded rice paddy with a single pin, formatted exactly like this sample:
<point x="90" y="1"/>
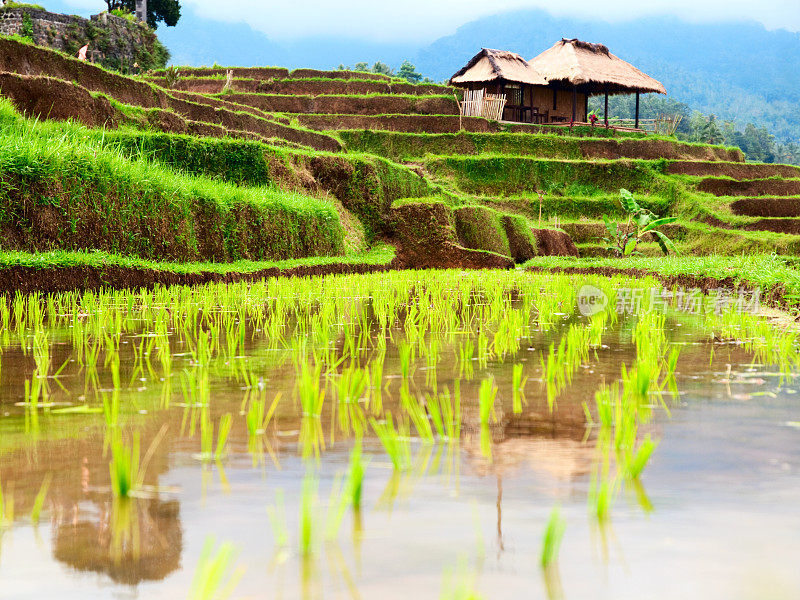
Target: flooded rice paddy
<point x="403" y="435"/>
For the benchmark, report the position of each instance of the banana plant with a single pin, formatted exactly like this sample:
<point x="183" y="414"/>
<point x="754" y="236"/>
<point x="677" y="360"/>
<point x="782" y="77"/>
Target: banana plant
<point x="623" y="239"/>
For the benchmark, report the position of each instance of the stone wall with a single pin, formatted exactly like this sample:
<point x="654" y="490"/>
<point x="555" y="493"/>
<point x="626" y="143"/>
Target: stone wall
<point x="114" y="42"/>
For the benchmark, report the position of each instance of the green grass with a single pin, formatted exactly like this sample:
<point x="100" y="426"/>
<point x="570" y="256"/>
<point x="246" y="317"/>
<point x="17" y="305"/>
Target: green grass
<point x="764" y="270"/>
<point x="381" y="254"/>
<point x="481" y="228"/>
<point x="11" y="5"/>
<point x="365" y="184"/>
<point x="61" y="190"/>
<point x="513" y="175"/>
<point x="401" y="145"/>
<point x="311" y="97"/>
<point x="544" y="144"/>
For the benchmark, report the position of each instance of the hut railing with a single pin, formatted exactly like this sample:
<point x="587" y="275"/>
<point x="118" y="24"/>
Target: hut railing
<point x="472" y="104"/>
<point x="663" y="124"/>
<point x="477" y="103"/>
<point x="649" y="125"/>
<point x="493" y="105"/>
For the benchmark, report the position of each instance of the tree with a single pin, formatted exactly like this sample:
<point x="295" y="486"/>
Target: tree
<point x="382" y="68"/>
<point x="409" y="72"/>
<point x="166" y="11"/>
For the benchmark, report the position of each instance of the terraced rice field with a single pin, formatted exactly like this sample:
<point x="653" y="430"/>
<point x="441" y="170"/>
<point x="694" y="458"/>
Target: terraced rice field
<point x="439" y="434"/>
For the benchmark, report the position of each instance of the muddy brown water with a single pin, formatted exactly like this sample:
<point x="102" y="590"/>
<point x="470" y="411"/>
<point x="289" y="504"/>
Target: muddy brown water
<point x="715" y="515"/>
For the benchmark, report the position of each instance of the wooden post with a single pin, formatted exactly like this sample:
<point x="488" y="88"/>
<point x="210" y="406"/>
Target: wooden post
<point x="555" y="99"/>
<point x="606" y="109"/>
<point x="141" y="10"/>
<point x="574" y="102"/>
<point x="586" y="108"/>
<point x="502" y="93"/>
<point x="637" y="111"/>
<point x="530" y="89"/>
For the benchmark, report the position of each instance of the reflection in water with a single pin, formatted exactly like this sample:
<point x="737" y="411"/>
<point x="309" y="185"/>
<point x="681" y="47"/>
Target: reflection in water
<point x="340" y="362"/>
<point x="130" y="540"/>
<point x="552" y="582"/>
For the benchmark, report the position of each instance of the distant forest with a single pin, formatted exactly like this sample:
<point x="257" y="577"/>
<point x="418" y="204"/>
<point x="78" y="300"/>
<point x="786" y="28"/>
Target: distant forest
<point x="757" y="143"/>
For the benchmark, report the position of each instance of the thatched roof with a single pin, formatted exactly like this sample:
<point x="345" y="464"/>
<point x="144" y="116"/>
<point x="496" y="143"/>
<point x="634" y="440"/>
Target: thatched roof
<point x="490" y="65"/>
<point x="593" y="68"/>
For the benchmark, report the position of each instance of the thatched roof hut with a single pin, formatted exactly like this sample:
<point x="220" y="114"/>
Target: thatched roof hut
<point x="506" y="75"/>
<point x="497" y="65"/>
<point x="593" y="69"/>
<point x="590" y="69"/>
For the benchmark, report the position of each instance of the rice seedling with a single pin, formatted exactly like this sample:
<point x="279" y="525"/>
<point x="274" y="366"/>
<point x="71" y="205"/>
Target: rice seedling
<point x="551" y="540"/>
<point x="312" y="394"/>
<point x="223" y="431"/>
<point x="41" y="496"/>
<point x="636" y="460"/>
<point x="355" y="475"/>
<point x="124" y="466"/>
<point x="416" y="412"/>
<point x="6" y="509"/>
<point x="258" y="417"/>
<point x="207" y="449"/>
<point x="517" y="388"/>
<point x="395" y="441"/>
<point x="466" y="354"/>
<point x="375" y="403"/>
<point x="406" y="353"/>
<point x="602" y="498"/>
<point x="307" y="501"/>
<point x="486" y="397"/>
<point x="126" y="470"/>
<point x="486" y="442"/>
<point x="216" y="575"/>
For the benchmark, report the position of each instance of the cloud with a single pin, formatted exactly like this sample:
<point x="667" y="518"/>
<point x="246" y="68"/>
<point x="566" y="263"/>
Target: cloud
<point x="422" y="21"/>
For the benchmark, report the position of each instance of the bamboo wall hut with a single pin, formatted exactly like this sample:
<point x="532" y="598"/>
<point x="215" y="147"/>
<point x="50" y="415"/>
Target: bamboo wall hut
<point x="507" y="73"/>
<point x="581" y="69"/>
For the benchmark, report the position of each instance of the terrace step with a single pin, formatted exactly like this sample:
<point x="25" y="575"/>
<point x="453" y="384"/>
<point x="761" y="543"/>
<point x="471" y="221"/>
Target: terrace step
<point x="404" y="146"/>
<point x="267" y="73"/>
<point x="517" y="175"/>
<point x="257" y="73"/>
<point x="351" y="87"/>
<point x="767" y="207"/>
<point x="303" y="87"/>
<point x="398" y="122"/>
<point x="750" y="187"/>
<point x="344" y="74"/>
<point x="786" y="225"/>
<point x="350" y="105"/>
<point x="34" y="78"/>
<point x="734" y="170"/>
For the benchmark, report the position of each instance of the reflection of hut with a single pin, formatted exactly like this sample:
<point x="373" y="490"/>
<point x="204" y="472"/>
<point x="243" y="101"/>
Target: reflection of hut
<point x="134" y="541"/>
<point x="505" y="73"/>
<point x="580" y="69"/>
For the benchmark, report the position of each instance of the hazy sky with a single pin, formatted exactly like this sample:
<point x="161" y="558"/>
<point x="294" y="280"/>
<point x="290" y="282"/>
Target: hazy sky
<point x="426" y="20"/>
